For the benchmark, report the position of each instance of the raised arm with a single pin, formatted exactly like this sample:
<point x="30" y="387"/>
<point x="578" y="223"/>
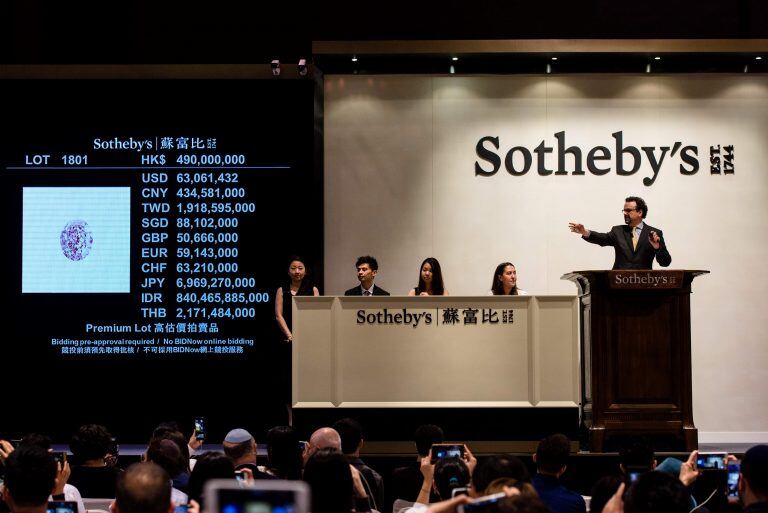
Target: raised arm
<point x="603" y="239"/>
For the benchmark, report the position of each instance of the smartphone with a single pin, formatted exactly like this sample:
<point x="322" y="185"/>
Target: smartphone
<point x="633" y="473"/>
<point x="267" y="496"/>
<point x="62" y="507"/>
<point x="733" y="479"/>
<point x="303" y="445"/>
<point x="487" y="504"/>
<point x="181" y="508"/>
<point x="442" y="451"/>
<point x="60" y="457"/>
<point x="461" y="490"/>
<point x="711" y="461"/>
<point x="114" y="447"/>
<point x="15" y="443"/>
<point x="200" y="428"/>
<point x="239" y="475"/>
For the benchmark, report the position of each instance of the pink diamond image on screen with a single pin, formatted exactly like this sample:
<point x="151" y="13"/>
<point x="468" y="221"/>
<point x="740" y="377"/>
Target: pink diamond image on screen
<point x="76" y="240"/>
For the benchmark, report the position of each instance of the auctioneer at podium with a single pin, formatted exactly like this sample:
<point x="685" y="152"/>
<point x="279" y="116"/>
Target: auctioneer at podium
<point x="635" y="243"/>
<point x="636" y="337"/>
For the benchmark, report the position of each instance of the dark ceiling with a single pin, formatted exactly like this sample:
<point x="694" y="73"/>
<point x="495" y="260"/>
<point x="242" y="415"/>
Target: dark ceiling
<point x="157" y="31"/>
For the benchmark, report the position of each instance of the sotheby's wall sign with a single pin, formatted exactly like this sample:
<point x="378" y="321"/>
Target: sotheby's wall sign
<point x="480" y="170"/>
<point x="557" y="157"/>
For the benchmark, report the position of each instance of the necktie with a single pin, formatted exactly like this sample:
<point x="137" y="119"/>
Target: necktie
<point x="366" y="292"/>
<point x="634" y="239"/>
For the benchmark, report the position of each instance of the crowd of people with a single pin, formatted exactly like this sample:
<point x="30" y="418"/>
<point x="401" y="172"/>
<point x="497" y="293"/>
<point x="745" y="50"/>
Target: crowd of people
<point x="173" y="472"/>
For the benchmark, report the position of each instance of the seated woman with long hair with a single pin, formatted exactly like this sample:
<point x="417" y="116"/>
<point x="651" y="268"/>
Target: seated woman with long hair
<point x="505" y="281"/>
<point x="430" y="280"/>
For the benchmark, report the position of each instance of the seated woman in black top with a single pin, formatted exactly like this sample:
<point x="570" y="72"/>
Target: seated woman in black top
<point x="298" y="285"/>
<point x="430" y="280"/>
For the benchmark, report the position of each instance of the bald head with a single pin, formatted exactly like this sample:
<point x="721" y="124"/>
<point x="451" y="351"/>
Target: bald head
<point x="143" y="488"/>
<point x="324" y="438"/>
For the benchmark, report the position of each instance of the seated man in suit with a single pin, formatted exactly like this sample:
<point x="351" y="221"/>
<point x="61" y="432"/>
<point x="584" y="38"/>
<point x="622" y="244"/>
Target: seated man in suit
<point x="635" y="243"/>
<point x="367" y="267"/>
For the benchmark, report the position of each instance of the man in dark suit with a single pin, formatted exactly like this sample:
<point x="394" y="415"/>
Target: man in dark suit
<point x="635" y="243"/>
<point x="367" y="267"/>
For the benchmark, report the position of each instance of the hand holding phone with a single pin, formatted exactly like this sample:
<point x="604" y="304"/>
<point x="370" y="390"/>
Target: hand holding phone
<point x="733" y="480"/>
<point x="442" y="451"/>
<point x="200" y="428"/>
<point x="711" y="461"/>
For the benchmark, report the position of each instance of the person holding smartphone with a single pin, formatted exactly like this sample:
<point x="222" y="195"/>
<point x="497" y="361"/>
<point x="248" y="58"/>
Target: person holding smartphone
<point x="446" y="474"/>
<point x="30" y="475"/>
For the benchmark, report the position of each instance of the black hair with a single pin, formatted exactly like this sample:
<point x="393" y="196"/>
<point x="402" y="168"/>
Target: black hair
<point x="284" y="452"/>
<point x="92" y="441"/>
<point x="30" y="473"/>
<point x="496" y="286"/>
<point x="36" y="440"/>
<point x="367" y="259"/>
<point x="655" y="492"/>
<point x="494" y="467"/>
<point x="552" y="453"/>
<point x="425" y="436"/>
<point x="603" y="490"/>
<point x="636" y="452"/>
<point x="305" y="288"/>
<point x="143" y="488"/>
<point x="165" y="432"/>
<point x="754" y="468"/>
<point x="351" y="433"/>
<point x="330" y="479"/>
<point x="639" y="203"/>
<point x="450" y="473"/>
<point x="167" y="455"/>
<point x="210" y="465"/>
<point x="438" y="289"/>
<point x="165" y="427"/>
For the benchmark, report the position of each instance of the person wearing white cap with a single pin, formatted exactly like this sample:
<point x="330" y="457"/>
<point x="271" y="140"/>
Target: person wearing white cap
<point x="240" y="447"/>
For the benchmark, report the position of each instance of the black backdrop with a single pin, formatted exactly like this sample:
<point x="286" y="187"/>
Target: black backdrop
<point x="272" y="122"/>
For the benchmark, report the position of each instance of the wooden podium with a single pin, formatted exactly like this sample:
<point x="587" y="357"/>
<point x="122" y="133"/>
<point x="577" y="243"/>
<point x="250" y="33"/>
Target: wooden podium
<point x="636" y="354"/>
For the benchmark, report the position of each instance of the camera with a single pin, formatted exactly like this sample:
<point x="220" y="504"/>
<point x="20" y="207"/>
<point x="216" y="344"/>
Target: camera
<point x="711" y="461"/>
<point x="200" y="428"/>
<point x="633" y="472"/>
<point x="276" y="67"/>
<point x="61" y="507"/>
<point x="60" y="458"/>
<point x="487" y="504"/>
<point x="733" y="479"/>
<point x="442" y="451"/>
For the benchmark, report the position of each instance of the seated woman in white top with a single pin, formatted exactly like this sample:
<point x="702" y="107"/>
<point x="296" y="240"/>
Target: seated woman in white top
<point x="505" y="281"/>
<point x="430" y="280"/>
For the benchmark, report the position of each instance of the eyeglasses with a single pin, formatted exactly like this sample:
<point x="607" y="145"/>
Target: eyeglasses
<point x="628" y="210"/>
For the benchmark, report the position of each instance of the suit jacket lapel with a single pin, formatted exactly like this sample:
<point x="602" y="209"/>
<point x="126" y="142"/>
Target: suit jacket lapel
<point x="627" y="231"/>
